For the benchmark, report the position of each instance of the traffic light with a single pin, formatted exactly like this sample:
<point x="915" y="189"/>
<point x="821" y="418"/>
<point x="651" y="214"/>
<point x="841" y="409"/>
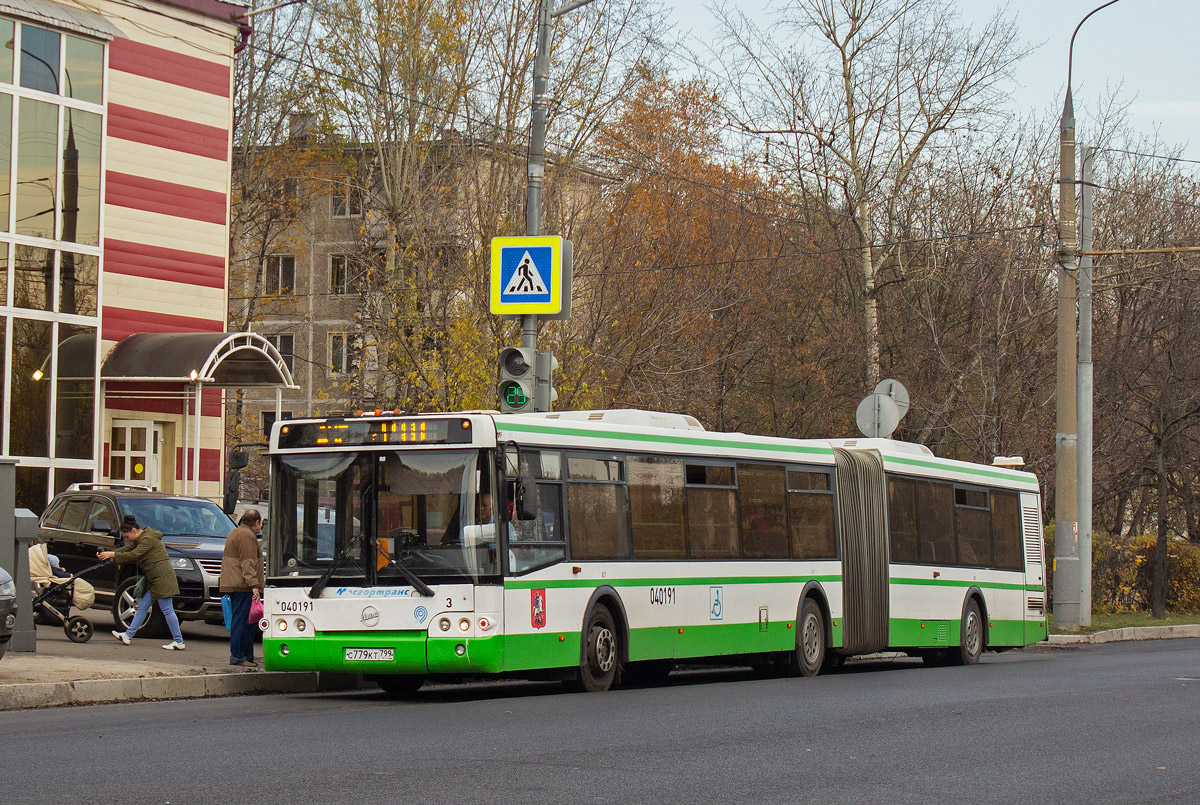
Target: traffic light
<point x="544" y="393"/>
<point x="516" y="380"/>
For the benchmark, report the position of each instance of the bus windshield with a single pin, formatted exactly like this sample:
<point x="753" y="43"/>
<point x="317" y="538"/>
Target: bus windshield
<point x="427" y="512"/>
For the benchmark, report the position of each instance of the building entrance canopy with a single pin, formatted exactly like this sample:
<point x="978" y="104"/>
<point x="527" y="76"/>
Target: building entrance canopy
<point x="230" y="360"/>
<point x="194" y="360"/>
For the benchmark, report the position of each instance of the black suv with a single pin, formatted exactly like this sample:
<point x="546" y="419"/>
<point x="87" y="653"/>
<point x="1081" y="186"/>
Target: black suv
<point x="85" y="519"/>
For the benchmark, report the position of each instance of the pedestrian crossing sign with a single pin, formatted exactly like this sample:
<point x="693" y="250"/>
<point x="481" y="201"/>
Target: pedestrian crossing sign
<point x="527" y="275"/>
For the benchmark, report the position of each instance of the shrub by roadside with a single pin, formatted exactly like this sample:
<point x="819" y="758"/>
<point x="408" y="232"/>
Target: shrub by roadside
<point x="1123" y="571"/>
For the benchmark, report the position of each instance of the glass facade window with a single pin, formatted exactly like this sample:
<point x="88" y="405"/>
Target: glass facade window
<point x="8" y="32"/>
<point x="51" y="138"/>
<point x="37" y="168"/>
<point x="29" y="408"/>
<point x="81" y="177"/>
<point x="33" y="278"/>
<point x="77" y="283"/>
<point x="75" y="411"/>
<point x="39" y="59"/>
<point x="85" y="69"/>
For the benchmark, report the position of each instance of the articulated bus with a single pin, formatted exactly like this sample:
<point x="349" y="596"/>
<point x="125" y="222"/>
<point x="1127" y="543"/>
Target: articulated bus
<point x="606" y="546"/>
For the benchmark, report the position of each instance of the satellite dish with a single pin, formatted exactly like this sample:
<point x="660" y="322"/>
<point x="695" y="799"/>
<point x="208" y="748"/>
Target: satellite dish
<point x="894" y="389"/>
<point x="877" y="416"/>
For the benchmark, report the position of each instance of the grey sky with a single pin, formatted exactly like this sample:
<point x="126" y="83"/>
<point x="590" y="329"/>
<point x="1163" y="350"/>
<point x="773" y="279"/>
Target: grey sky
<point x="1144" y="46"/>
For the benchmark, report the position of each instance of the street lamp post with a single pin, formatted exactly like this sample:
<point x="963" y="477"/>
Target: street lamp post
<point x="1071" y="543"/>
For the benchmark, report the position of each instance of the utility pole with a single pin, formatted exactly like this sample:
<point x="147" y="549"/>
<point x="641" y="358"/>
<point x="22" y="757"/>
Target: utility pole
<point x="1084" y="396"/>
<point x="1066" y="501"/>
<point x="1068" y="551"/>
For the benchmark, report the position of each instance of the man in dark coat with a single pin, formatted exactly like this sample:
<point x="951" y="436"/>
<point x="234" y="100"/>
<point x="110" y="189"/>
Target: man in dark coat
<point x="242" y="580"/>
<point x="144" y="547"/>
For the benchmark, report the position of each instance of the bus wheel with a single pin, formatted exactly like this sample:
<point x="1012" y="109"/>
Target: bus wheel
<point x="599" y="666"/>
<point x="810" y="642"/>
<point x="399" y="685"/>
<point x="972" y="637"/>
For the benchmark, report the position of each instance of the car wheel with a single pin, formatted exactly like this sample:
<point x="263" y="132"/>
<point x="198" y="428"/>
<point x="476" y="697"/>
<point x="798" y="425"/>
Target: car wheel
<point x="125" y="605"/>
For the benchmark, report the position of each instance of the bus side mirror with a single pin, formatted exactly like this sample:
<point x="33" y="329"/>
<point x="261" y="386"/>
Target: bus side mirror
<point x="233" y="482"/>
<point x="238" y="460"/>
<point x="527" y="496"/>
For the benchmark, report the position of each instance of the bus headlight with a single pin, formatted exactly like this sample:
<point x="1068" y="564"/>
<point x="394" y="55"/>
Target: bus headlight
<point x="444" y="624"/>
<point x="300" y="625"/>
<point x="281" y="625"/>
<point x="464" y="624"/>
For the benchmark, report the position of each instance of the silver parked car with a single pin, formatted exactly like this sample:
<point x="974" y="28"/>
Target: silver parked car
<point x="8" y="609"/>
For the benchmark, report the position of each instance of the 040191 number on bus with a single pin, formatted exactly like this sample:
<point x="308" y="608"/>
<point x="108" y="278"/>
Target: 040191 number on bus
<point x="662" y="596"/>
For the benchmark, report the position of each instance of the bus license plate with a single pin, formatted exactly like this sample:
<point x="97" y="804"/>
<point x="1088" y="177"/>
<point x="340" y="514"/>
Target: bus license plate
<point x="371" y="654"/>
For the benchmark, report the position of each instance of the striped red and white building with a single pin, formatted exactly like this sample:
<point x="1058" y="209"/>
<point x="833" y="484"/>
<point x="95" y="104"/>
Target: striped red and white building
<point x="156" y="78"/>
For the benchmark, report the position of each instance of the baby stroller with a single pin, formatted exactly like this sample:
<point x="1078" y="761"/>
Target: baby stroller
<point x="53" y="596"/>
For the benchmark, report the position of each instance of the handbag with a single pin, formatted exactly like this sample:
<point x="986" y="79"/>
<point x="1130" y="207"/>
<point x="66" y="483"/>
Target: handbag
<point x="140" y="588"/>
<point x="256" y="612"/>
<point x="227" y="612"/>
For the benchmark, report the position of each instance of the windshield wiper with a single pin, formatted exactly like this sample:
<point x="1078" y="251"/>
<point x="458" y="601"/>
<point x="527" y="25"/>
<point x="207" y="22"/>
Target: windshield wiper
<point x="323" y="582"/>
<point x="415" y="580"/>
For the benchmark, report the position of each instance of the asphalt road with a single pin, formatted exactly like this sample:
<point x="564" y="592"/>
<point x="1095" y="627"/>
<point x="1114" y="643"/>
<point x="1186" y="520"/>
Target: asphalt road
<point x="1112" y="723"/>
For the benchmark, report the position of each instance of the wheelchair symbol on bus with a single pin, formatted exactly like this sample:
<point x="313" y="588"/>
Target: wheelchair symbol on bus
<point x="716" y="607"/>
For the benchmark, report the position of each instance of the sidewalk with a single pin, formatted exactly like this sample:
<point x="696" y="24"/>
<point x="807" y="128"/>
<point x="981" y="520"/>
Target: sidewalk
<point x="1128" y="633"/>
<point x="103" y="670"/>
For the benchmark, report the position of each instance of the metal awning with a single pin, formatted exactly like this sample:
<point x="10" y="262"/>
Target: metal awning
<point x="235" y="360"/>
<point x="58" y="15"/>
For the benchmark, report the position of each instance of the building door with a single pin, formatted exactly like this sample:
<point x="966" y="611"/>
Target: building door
<point x="134" y="453"/>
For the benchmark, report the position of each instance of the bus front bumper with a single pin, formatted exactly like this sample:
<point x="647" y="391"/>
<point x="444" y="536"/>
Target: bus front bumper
<point x="399" y="652"/>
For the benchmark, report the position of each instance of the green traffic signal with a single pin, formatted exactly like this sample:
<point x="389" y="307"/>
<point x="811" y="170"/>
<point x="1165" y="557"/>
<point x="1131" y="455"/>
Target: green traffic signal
<point x="512" y="395"/>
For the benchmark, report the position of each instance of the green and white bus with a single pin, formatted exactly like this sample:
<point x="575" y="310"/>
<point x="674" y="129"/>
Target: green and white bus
<point x="597" y="546"/>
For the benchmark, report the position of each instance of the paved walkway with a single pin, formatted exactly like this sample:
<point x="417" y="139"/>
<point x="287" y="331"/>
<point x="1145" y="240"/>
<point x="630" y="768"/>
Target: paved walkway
<point x="103" y="670"/>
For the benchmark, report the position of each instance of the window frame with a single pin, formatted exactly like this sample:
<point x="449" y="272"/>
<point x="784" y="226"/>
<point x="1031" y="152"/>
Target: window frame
<point x="275" y="340"/>
<point x="273" y="263"/>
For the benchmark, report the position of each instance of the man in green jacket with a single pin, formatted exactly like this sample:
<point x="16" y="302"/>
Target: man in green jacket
<point x="144" y="546"/>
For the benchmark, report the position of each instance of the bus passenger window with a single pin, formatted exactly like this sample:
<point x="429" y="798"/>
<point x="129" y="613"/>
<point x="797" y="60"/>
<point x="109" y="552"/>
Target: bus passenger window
<point x="902" y="519"/>
<point x="762" y="495"/>
<point x="656" y="507"/>
<point x="935" y="521"/>
<point x="1006" y="531"/>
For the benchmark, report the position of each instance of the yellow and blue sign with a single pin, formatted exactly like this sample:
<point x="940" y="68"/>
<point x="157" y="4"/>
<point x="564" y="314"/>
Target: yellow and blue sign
<point x="527" y="275"/>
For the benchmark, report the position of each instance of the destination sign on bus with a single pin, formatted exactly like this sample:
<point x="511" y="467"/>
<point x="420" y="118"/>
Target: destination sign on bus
<point x="365" y="432"/>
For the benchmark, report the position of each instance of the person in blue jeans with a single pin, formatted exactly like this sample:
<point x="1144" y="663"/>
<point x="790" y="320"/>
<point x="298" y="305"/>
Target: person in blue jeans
<point x="242" y="579"/>
<point x="144" y="547"/>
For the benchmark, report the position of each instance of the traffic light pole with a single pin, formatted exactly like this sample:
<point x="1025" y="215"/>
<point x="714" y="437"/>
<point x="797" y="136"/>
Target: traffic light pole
<point x="537" y="155"/>
<point x="537" y="171"/>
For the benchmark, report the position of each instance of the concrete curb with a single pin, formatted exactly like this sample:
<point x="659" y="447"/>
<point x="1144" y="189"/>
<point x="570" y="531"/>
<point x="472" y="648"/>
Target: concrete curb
<point x="1128" y="633"/>
<point x="100" y="691"/>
